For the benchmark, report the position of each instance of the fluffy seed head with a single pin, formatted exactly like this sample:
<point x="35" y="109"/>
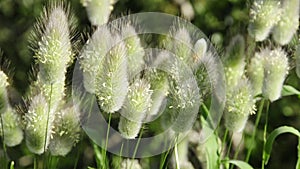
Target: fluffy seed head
<point x="129" y="163"/>
<point x="98" y="10"/>
<point x="276" y="68"/>
<point x="239" y="105"/>
<point x="111" y="81"/>
<point x="255" y="71"/>
<point x="264" y="14"/>
<point x="288" y="23"/>
<point x="234" y="62"/>
<point x="91" y="58"/>
<point x="135" y="51"/>
<point x="200" y="49"/>
<point x="160" y="87"/>
<point x="12" y="132"/>
<point x="38" y="124"/>
<point x="137" y="103"/>
<point x="65" y="132"/>
<point x="3" y="92"/>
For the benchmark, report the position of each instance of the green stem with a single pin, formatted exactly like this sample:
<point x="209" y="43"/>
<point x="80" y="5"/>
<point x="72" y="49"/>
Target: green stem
<point x="165" y="158"/>
<point x="3" y="144"/>
<point x="106" y="140"/>
<point x="137" y="144"/>
<point x="265" y="135"/>
<point x="176" y="154"/>
<point x="255" y="129"/>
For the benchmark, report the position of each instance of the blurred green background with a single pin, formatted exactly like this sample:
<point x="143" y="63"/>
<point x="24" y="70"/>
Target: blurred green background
<point x="220" y="20"/>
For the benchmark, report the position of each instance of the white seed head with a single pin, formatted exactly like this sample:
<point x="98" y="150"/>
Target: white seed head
<point x="38" y="124"/>
<point x="276" y="68"/>
<point x="66" y="132"/>
<point x="264" y="14"/>
<point x="255" y="71"/>
<point x="111" y="80"/>
<point x="234" y="62"/>
<point x="239" y="105"/>
<point x="12" y="132"/>
<point x="288" y="24"/>
<point x="130" y="163"/>
<point x="98" y="10"/>
<point x="137" y="103"/>
<point x="135" y="51"/>
<point x="93" y="54"/>
<point x="3" y="92"/>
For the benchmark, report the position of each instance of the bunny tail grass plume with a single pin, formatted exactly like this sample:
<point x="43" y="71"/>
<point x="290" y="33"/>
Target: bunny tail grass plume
<point x="66" y="131"/>
<point x="111" y="81"/>
<point x="297" y="56"/>
<point x="179" y="43"/>
<point x="255" y="71"/>
<point x="234" y="62"/>
<point x="136" y="104"/>
<point x="264" y="14"/>
<point x="3" y="92"/>
<point x="12" y="132"/>
<point x="239" y="105"/>
<point x="160" y="86"/>
<point x="53" y="53"/>
<point x="276" y="68"/>
<point x="98" y="10"/>
<point x="130" y="163"/>
<point x="92" y="56"/>
<point x="10" y="121"/>
<point x="38" y="124"/>
<point x="185" y="96"/>
<point x="135" y="51"/>
<point x="288" y="23"/>
<point x="200" y="49"/>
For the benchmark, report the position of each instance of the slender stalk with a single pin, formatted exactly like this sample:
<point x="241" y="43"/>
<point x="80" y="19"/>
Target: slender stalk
<point x="238" y="150"/>
<point x="137" y="144"/>
<point x="106" y="140"/>
<point x="255" y="129"/>
<point x="165" y="157"/>
<point x="3" y="144"/>
<point x="265" y="135"/>
<point x="229" y="147"/>
<point x="176" y="154"/>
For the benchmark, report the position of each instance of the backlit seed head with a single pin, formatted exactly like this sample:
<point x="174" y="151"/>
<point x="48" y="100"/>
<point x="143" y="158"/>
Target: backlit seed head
<point x="234" y="62"/>
<point x="159" y="84"/>
<point x="130" y="163"/>
<point x="54" y="51"/>
<point x="135" y="51"/>
<point x="92" y="56"/>
<point x="38" y="124"/>
<point x="65" y="132"/>
<point x="137" y="103"/>
<point x="111" y="80"/>
<point x="276" y="68"/>
<point x="98" y="10"/>
<point x="3" y="92"/>
<point x="264" y="14"/>
<point x="239" y="105"/>
<point x="200" y="49"/>
<point x="129" y="129"/>
<point x="288" y="23"/>
<point x="255" y="71"/>
<point x="12" y="132"/>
